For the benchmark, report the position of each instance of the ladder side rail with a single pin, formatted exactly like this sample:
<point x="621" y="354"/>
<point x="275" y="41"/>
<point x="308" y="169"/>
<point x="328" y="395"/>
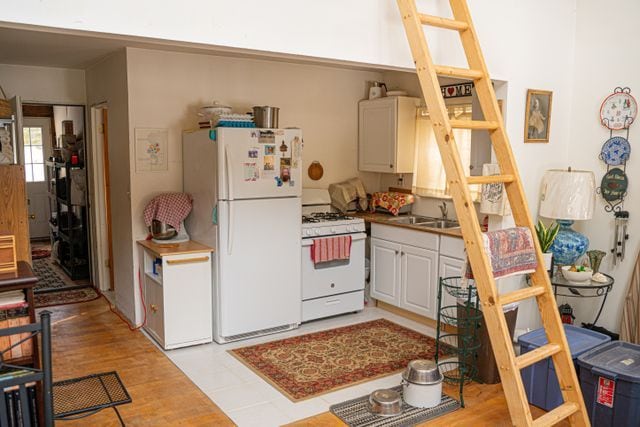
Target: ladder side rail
<point x="501" y="341"/>
<point x="546" y="302"/>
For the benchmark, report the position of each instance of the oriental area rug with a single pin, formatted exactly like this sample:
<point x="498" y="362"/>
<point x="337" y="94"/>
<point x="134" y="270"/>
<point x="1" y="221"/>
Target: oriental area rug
<point x="310" y="365"/>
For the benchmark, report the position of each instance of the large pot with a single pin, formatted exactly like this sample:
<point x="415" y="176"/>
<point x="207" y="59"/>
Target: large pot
<point x="422" y="384"/>
<point x="266" y="117"/>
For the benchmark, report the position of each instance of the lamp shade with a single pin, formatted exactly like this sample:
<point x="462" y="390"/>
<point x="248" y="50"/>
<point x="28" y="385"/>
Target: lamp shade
<point x="568" y="194"/>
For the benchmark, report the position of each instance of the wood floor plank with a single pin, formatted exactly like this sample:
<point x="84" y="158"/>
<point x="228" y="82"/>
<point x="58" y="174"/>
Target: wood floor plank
<point x="88" y="338"/>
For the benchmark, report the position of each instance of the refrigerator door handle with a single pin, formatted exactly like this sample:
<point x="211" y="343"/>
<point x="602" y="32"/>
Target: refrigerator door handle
<point x="230" y="229"/>
<point x="229" y="177"/>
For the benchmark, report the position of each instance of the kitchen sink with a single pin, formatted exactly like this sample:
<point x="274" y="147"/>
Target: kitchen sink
<point x="441" y="223"/>
<point x="410" y="219"/>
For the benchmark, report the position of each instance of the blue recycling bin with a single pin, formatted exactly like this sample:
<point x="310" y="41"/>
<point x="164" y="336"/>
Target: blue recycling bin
<point x="540" y="380"/>
<point x="610" y="383"/>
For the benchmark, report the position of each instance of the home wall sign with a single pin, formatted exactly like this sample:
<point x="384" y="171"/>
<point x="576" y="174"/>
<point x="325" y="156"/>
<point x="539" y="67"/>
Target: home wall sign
<point x="457" y="90"/>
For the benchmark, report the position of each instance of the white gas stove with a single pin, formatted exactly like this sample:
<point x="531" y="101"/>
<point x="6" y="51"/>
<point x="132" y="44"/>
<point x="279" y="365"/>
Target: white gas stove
<point x="334" y="287"/>
<point x="330" y="224"/>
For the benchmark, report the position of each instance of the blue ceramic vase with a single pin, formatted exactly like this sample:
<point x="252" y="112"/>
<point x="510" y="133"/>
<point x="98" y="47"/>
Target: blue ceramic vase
<point x="569" y="245"/>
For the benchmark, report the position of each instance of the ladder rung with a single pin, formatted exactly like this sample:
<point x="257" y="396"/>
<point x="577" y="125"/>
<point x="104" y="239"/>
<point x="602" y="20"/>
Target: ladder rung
<point x="521" y="294"/>
<point x="463" y="73"/>
<point x="449" y="24"/>
<point x="557" y="414"/>
<point x="490" y="179"/>
<point x="533" y="356"/>
<point x="473" y="124"/>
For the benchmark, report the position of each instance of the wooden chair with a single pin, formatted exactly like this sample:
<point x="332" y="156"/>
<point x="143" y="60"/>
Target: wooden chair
<point x="24" y="377"/>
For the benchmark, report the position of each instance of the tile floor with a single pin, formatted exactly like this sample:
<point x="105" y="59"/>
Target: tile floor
<point x="249" y="400"/>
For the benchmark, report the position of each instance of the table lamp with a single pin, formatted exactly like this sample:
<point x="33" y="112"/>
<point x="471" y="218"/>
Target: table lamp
<point x="567" y="196"/>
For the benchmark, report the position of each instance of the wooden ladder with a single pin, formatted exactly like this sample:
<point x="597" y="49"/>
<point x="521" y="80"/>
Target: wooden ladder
<point x="492" y="302"/>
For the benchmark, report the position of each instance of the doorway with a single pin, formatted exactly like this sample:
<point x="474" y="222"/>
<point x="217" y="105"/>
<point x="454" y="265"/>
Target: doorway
<point x="51" y="148"/>
<point x="38" y="144"/>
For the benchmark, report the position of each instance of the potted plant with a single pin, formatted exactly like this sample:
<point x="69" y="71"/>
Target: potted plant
<point x="546" y="236"/>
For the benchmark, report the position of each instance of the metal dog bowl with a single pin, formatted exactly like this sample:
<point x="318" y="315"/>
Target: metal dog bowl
<point x="385" y="402"/>
<point x="422" y="371"/>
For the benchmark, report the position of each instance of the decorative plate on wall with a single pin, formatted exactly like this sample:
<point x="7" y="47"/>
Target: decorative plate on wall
<point x="615" y="151"/>
<point x="614" y="185"/>
<point x="619" y="110"/>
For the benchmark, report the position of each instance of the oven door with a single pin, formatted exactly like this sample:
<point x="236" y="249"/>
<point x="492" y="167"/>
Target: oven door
<point x="334" y="277"/>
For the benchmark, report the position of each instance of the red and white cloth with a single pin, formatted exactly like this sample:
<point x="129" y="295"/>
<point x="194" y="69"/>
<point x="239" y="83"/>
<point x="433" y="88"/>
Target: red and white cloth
<point x="330" y="249"/>
<point x="390" y="201"/>
<point x="170" y="208"/>
<point x="510" y="251"/>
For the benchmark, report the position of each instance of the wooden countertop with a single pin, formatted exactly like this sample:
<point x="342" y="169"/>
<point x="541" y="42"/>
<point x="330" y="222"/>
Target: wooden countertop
<point x="169" y="248"/>
<point x="381" y="218"/>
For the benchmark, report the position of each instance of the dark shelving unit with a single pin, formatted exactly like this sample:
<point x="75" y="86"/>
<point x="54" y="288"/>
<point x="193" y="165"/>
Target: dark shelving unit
<point x="68" y="221"/>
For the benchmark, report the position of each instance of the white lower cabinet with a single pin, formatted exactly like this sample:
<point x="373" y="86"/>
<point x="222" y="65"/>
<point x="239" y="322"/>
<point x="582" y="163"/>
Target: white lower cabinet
<point x="403" y="274"/>
<point x="177" y="294"/>
<point x="406" y="266"/>
<point x="419" y="278"/>
<point x="385" y="271"/>
<point x="449" y="267"/>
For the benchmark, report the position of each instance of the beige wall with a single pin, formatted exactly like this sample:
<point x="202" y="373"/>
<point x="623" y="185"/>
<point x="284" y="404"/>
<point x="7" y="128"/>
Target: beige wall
<point x="107" y="83"/>
<point x="43" y="84"/>
<point x="165" y="90"/>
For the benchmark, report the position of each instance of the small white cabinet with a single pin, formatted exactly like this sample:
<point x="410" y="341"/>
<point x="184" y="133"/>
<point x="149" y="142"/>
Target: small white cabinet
<point x="177" y="293"/>
<point x="386" y="134"/>
<point x="419" y="280"/>
<point x="385" y="271"/>
<point x="404" y="268"/>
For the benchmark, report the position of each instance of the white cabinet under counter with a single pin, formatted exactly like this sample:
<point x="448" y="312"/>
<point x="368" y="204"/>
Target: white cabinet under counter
<point x="404" y="268"/>
<point x="176" y="281"/>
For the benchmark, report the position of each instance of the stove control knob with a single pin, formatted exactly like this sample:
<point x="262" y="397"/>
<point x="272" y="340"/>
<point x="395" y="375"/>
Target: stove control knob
<point x="351" y="228"/>
<point x="333" y="229"/>
<point x="317" y="231"/>
<point x="307" y="232"/>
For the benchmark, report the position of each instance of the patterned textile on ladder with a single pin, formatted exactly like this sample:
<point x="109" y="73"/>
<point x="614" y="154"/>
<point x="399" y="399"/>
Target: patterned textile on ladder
<point x="330" y="249"/>
<point x="510" y="251"/>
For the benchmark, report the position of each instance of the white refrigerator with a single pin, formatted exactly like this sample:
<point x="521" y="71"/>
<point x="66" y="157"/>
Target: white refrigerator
<point x="246" y="188"/>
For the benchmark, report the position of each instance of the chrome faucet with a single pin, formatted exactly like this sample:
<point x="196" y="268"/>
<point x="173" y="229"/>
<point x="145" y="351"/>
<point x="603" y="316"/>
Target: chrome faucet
<point x="444" y="210"/>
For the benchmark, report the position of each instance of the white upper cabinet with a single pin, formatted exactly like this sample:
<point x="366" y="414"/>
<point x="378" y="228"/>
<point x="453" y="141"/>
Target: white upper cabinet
<point x="386" y="136"/>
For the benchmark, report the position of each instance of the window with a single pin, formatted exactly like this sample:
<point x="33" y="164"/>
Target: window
<point x="430" y="179"/>
<point x="33" y="154"/>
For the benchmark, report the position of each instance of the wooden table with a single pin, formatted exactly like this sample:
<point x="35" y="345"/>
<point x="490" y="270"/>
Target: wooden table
<point x="23" y="279"/>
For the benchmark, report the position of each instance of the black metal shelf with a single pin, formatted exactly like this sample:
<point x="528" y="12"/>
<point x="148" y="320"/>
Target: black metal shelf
<point x="71" y="221"/>
<point x="459" y="366"/>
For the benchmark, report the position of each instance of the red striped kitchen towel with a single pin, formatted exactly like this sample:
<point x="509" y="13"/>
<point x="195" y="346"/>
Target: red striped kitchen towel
<point x="330" y="249"/>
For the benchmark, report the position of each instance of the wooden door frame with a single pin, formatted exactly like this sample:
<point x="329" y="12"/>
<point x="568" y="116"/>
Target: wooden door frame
<point x="101" y="207"/>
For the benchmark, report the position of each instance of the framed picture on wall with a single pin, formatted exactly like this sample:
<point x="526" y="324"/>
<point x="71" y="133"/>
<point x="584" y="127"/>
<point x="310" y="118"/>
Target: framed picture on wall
<point x="537" y="119"/>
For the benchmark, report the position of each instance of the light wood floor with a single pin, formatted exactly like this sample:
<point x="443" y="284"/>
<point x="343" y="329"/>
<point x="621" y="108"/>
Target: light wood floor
<point x="88" y="338"/>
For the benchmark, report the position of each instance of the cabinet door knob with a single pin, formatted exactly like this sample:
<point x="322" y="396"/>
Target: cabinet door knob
<point x="391" y="166"/>
<point x="154" y="308"/>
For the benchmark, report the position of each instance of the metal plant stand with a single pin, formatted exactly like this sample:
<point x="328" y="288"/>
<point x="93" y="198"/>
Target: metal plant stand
<point x="457" y="333"/>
